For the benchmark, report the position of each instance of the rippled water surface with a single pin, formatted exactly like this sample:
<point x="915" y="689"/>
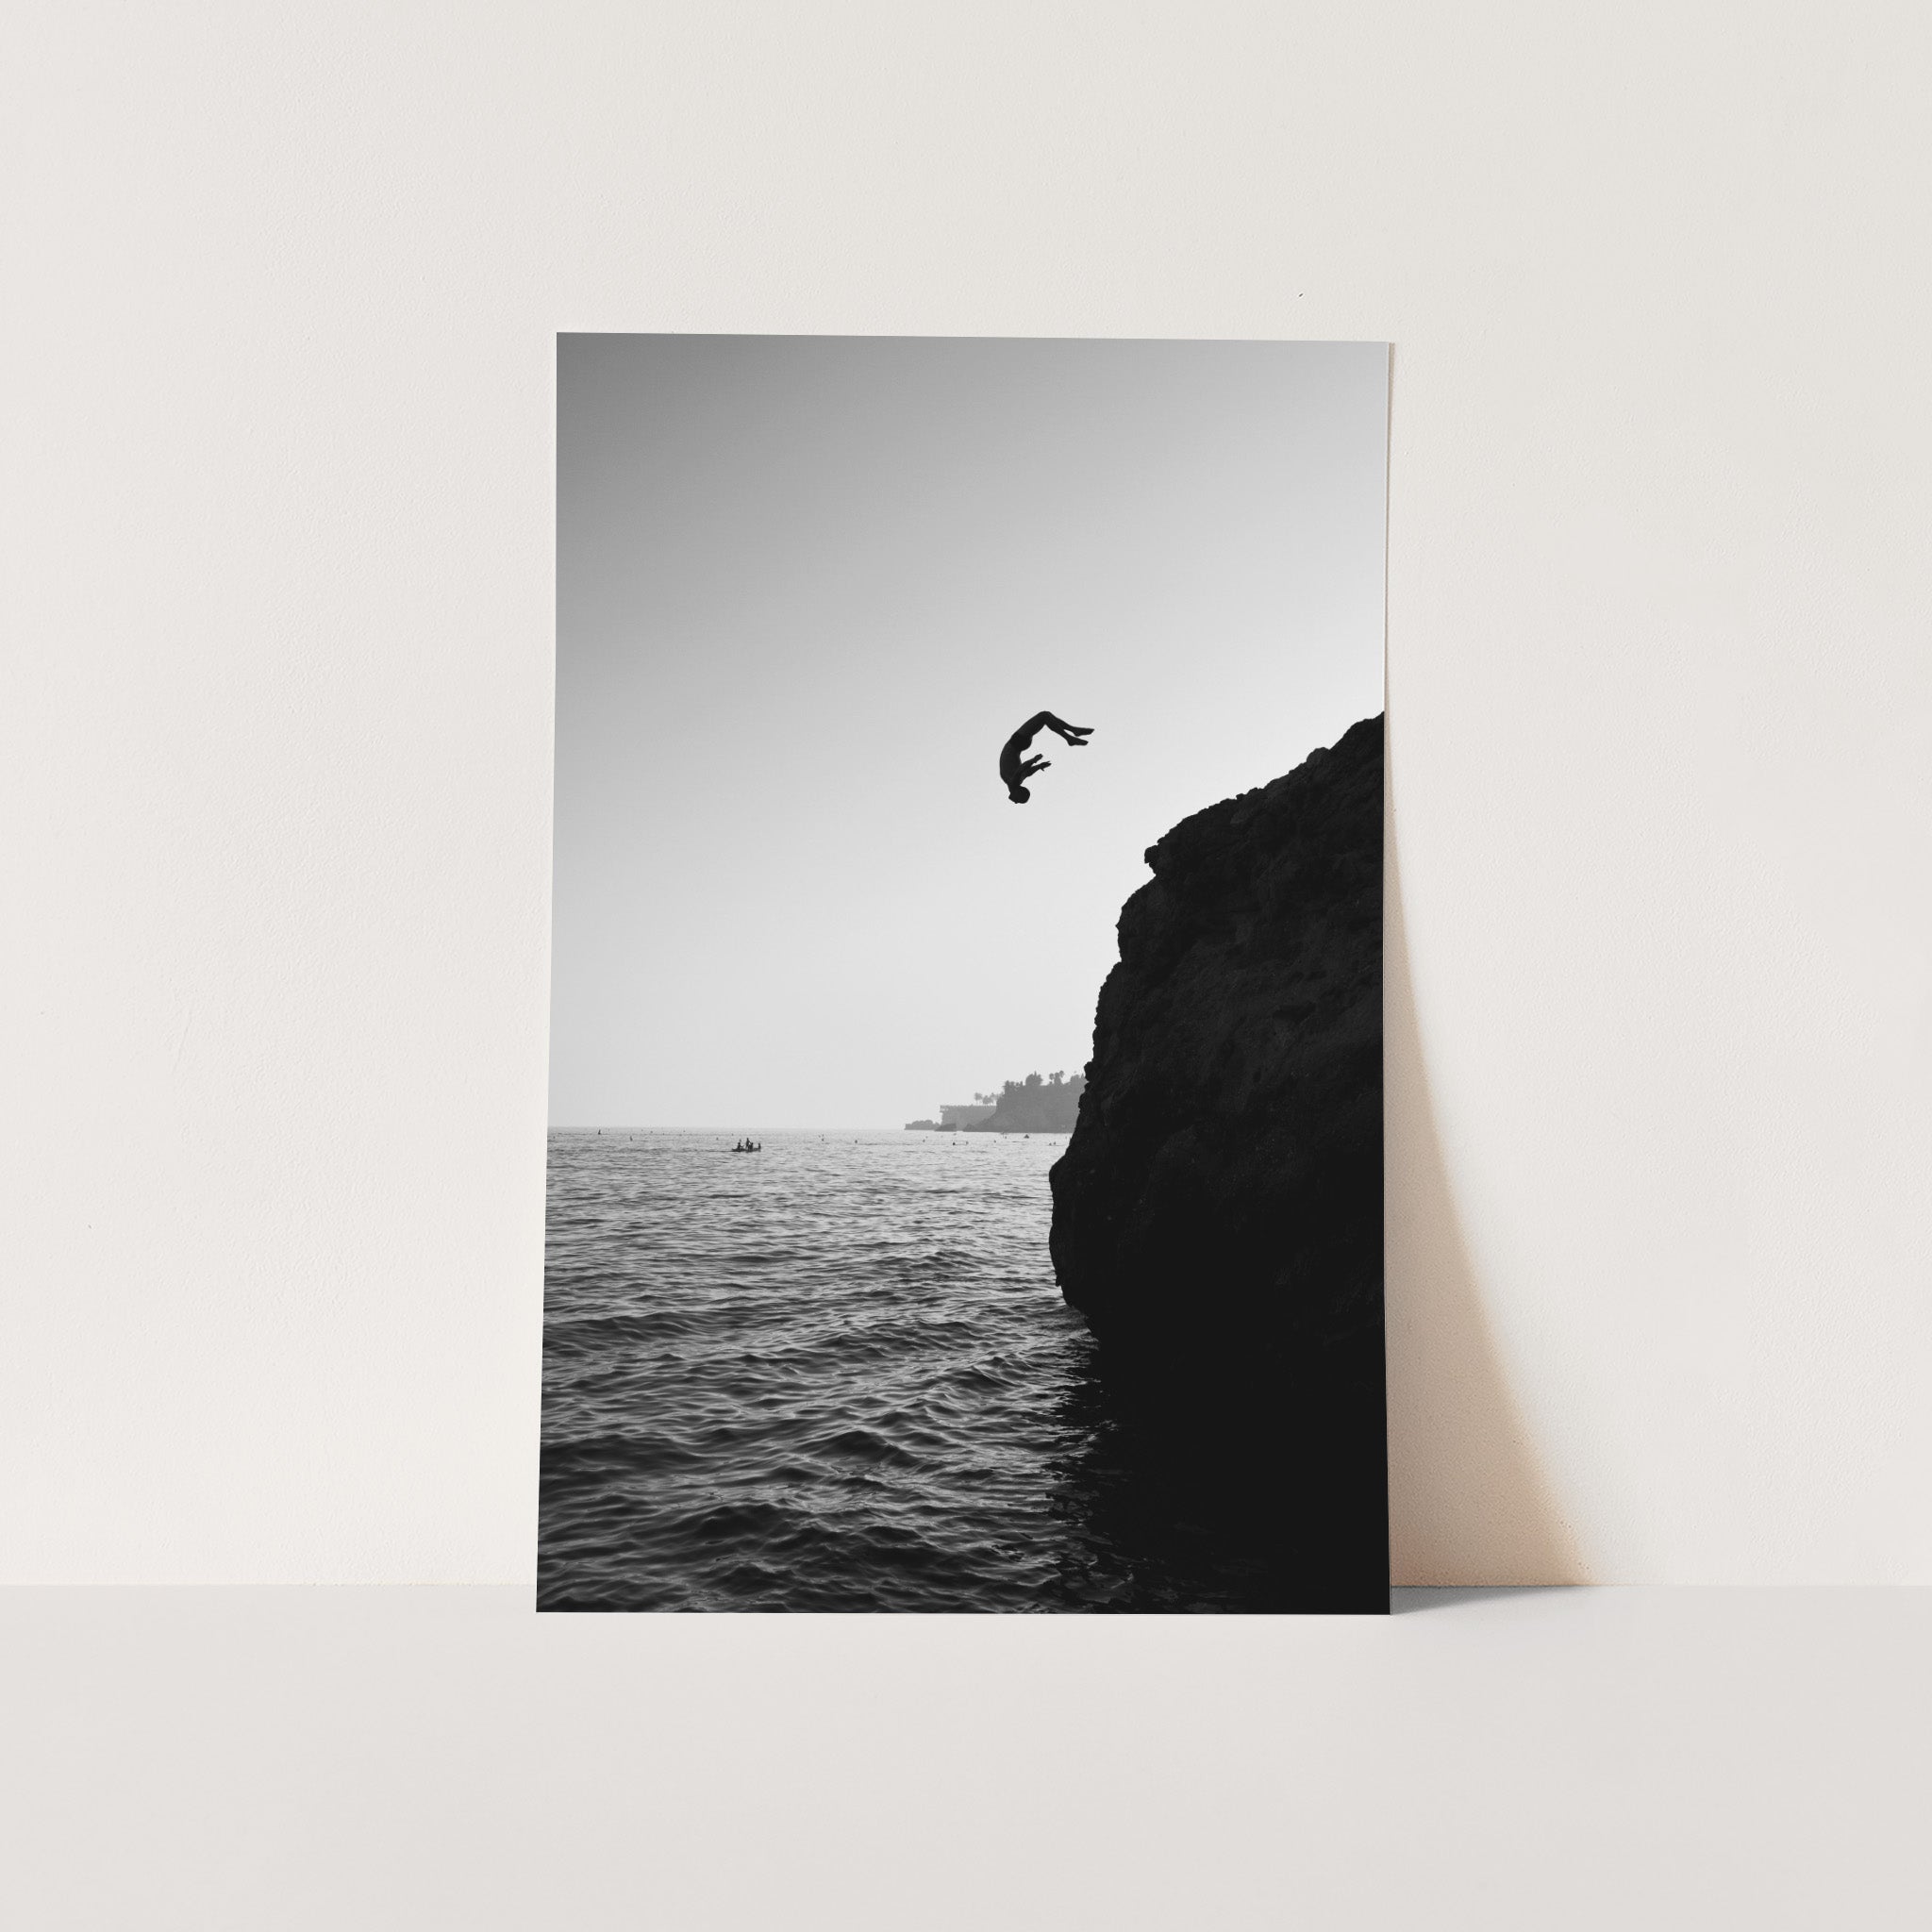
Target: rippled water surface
<point x="832" y="1376"/>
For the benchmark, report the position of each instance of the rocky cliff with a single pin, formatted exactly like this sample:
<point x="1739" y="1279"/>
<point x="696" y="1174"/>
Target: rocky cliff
<point x="1218" y="1213"/>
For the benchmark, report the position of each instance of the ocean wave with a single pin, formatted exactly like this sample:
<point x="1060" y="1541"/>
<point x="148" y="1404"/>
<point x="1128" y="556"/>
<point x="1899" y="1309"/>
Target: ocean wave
<point x="838" y="1376"/>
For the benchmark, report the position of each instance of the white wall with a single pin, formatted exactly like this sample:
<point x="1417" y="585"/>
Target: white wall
<point x="274" y="779"/>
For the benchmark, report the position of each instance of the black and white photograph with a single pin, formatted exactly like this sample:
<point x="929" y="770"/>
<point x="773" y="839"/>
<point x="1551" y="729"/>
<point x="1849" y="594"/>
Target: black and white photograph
<point x="835" y="831"/>
<point x="965" y="1158"/>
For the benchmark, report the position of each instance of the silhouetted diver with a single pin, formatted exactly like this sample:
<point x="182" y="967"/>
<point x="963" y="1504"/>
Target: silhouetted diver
<point x="1014" y="770"/>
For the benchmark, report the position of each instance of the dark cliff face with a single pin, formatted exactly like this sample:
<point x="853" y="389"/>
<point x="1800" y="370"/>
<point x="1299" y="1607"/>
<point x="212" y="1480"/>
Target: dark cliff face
<point x="1218" y="1213"/>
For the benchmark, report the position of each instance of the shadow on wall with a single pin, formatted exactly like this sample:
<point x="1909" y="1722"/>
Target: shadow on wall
<point x="1467" y="1502"/>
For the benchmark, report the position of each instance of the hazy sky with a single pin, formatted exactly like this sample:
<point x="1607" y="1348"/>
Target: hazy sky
<point x="807" y="586"/>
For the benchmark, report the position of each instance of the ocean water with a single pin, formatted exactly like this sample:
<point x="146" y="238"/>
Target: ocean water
<point x="836" y="1375"/>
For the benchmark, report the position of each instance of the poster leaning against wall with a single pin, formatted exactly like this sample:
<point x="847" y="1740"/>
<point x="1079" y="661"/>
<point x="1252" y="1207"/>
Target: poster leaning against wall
<point x="965" y="1170"/>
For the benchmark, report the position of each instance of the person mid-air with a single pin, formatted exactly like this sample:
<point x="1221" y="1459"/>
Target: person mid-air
<point x="1015" y="769"/>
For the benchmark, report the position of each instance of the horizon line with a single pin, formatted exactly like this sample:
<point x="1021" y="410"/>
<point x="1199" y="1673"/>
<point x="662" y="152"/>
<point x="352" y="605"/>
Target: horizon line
<point x="816" y="1128"/>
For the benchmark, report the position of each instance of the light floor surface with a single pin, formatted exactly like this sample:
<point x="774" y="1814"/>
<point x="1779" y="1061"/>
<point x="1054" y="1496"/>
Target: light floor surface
<point x="369" y="1758"/>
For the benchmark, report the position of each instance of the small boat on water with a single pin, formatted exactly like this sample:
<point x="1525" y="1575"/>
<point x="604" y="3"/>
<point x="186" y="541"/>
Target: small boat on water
<point x="749" y="1147"/>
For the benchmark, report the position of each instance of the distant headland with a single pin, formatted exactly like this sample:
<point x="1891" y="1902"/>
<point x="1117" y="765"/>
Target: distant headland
<point x="1031" y="1106"/>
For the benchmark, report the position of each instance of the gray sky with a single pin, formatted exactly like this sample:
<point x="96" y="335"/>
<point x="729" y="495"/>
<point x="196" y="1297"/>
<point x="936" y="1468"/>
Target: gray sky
<point x="807" y="586"/>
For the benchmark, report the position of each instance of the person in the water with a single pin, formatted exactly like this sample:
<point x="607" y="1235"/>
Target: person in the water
<point x="1015" y="768"/>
